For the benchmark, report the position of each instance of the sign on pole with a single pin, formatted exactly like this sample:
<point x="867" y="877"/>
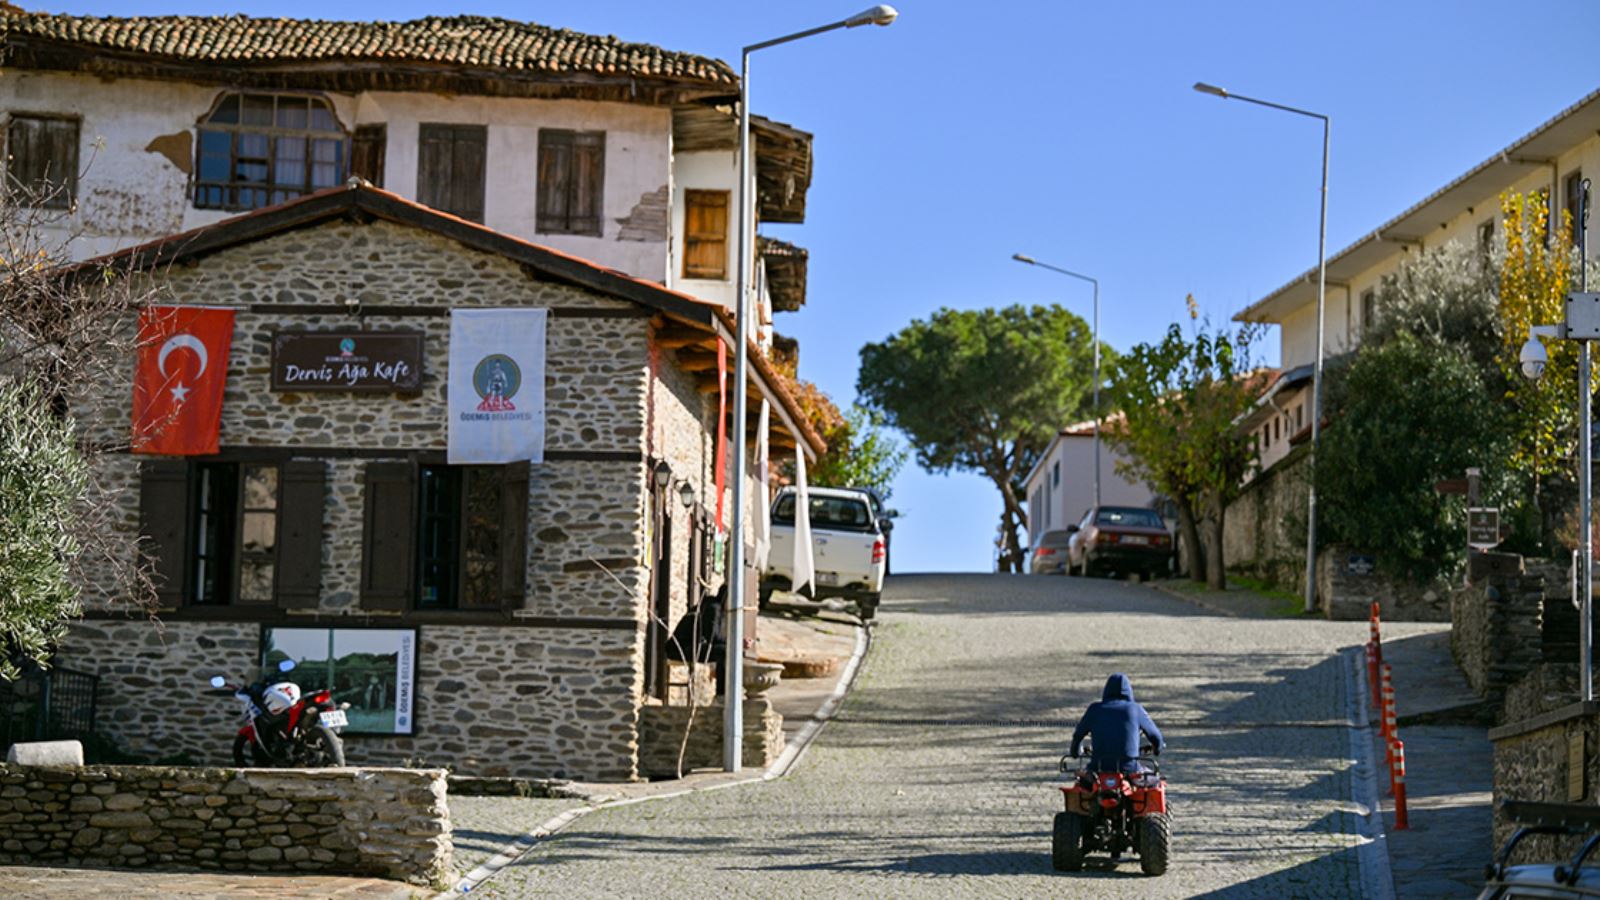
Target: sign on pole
<point x="1483" y="528"/>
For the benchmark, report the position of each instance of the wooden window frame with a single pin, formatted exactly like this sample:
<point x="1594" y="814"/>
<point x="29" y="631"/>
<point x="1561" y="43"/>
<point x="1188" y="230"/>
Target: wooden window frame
<point x="235" y="194"/>
<point x="551" y="221"/>
<point x="443" y="190"/>
<point x="40" y="189"/>
<point x="691" y="239"/>
<point x="234" y="554"/>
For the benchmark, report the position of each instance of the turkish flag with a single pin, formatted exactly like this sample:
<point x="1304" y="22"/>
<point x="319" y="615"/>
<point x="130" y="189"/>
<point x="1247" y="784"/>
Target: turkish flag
<point x="177" y="383"/>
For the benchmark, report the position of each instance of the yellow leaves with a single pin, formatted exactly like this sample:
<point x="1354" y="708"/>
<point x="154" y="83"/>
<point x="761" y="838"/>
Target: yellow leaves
<point x="1534" y="279"/>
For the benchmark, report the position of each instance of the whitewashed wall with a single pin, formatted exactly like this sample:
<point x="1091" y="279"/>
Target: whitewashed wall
<point x="1065" y="504"/>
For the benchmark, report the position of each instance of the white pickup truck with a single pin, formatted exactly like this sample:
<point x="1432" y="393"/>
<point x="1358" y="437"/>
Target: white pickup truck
<point x="849" y="547"/>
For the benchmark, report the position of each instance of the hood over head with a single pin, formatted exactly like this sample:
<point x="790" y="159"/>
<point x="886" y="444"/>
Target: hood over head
<point x="1118" y="687"/>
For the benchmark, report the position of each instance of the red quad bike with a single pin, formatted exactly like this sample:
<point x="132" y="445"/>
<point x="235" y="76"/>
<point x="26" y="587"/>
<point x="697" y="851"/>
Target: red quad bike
<point x="284" y="729"/>
<point x="1113" y="812"/>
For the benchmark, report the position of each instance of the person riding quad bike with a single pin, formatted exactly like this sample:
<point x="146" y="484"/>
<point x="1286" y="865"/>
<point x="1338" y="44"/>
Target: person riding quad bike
<point x="1115" y="724"/>
<point x="1119" y="801"/>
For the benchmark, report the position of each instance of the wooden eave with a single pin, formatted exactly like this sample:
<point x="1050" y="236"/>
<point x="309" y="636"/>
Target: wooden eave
<point x="786" y="273"/>
<point x="354" y="76"/>
<point x="783" y="153"/>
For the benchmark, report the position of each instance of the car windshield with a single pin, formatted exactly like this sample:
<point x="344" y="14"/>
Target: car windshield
<point x="1133" y="518"/>
<point x="1055" y="539"/>
<point x="829" y="513"/>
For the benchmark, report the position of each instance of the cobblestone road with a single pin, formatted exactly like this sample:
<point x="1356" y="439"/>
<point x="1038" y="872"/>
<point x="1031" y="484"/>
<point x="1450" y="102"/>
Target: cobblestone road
<point x="937" y="778"/>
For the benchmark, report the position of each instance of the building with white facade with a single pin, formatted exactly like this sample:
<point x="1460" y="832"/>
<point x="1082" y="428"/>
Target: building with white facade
<point x="1060" y="487"/>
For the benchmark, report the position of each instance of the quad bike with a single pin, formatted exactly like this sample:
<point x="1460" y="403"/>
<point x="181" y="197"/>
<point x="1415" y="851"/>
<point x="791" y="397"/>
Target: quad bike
<point x="1113" y="812"/>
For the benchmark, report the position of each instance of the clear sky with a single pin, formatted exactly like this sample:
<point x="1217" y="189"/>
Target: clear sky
<point x="1067" y="130"/>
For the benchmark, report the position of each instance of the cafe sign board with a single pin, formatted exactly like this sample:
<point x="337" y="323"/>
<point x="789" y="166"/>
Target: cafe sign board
<point x="350" y="361"/>
<point x="1483" y="528"/>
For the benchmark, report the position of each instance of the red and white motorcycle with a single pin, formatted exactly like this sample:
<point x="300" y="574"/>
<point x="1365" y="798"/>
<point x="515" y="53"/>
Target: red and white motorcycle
<point x="284" y="729"/>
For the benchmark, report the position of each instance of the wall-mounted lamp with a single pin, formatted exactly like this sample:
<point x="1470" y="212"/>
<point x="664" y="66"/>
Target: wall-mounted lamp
<point x="686" y="494"/>
<point x="661" y="475"/>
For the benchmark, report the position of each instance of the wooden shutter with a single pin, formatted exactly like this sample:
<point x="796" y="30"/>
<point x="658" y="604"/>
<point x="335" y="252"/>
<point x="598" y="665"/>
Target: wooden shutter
<point x="367" y="152"/>
<point x="43" y="159"/>
<point x="164" y="515"/>
<point x="302" y="495"/>
<point x="555" y="168"/>
<point x="451" y="160"/>
<point x="588" y="182"/>
<point x="514" y="535"/>
<point x="389" y="536"/>
<point x="705" y="234"/>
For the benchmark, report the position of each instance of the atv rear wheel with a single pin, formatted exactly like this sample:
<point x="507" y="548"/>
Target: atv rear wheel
<point x="1155" y="839"/>
<point x="1066" y="843"/>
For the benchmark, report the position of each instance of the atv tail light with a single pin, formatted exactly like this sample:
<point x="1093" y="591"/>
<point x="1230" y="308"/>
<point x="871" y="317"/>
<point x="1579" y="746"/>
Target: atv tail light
<point x="879" y="550"/>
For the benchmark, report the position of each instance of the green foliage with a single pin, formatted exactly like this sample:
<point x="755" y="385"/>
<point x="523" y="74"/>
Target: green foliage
<point x="861" y="453"/>
<point x="1405" y="414"/>
<point x="42" y="480"/>
<point x="1180" y="398"/>
<point x="983" y="391"/>
<point x="1447" y="294"/>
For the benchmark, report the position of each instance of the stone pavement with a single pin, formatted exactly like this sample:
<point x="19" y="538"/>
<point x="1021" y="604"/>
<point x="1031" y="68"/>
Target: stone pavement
<point x="28" y="883"/>
<point x="939" y="775"/>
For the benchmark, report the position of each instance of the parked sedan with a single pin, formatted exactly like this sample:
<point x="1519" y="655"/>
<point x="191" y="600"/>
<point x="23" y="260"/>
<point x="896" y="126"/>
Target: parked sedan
<point x="1121" y="539"/>
<point x="1049" y="556"/>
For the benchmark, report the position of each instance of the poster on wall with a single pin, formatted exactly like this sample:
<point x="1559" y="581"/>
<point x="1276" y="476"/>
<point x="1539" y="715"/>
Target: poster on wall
<point x="372" y="669"/>
<point x="496" y="393"/>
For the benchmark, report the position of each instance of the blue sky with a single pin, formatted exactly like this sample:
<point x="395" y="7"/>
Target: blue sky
<point x="967" y="131"/>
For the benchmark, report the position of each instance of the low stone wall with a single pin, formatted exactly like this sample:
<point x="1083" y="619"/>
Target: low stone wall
<point x="1347" y="586"/>
<point x="391" y="823"/>
<point x="1534" y="760"/>
<point x="1495" y="630"/>
<point x="661" y="730"/>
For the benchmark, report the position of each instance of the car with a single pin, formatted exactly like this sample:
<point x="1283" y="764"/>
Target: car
<point x="1049" y="556"/>
<point x="849" y="547"/>
<point x="886" y="517"/>
<point x="1120" y="539"/>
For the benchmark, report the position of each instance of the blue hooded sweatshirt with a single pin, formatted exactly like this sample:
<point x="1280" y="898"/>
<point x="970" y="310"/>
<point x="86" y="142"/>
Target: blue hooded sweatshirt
<point x="1115" y="723"/>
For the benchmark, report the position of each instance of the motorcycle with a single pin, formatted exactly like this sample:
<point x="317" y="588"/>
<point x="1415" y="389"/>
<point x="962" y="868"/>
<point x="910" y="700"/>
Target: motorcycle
<point x="282" y="728"/>
<point x="1113" y="812"/>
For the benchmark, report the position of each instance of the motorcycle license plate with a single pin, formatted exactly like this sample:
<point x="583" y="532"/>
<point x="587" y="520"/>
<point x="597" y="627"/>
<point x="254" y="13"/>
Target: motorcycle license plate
<point x="334" y="718"/>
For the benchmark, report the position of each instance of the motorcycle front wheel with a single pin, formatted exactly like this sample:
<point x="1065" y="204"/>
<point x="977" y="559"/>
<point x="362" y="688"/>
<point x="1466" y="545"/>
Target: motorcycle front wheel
<point x="245" y="760"/>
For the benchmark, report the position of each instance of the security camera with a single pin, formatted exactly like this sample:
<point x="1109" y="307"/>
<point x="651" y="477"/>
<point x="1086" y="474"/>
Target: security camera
<point x="1533" y="358"/>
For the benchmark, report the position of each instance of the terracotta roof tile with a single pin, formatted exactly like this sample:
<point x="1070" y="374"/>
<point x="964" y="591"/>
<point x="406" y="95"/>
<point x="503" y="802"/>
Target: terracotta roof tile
<point x="472" y="41"/>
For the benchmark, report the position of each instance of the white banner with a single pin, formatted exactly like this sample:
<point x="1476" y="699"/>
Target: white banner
<point x="762" y="507"/>
<point x="496" y="400"/>
<point x="805" y="566"/>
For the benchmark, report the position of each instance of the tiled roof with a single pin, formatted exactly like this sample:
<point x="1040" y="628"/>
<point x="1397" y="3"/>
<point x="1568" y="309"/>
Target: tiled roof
<point x="465" y="41"/>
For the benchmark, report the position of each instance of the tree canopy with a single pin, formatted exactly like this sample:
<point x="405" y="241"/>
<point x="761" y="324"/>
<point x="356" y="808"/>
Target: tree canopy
<point x="984" y="391"/>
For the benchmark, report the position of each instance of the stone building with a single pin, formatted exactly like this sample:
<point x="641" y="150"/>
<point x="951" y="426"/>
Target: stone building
<point x="562" y="576"/>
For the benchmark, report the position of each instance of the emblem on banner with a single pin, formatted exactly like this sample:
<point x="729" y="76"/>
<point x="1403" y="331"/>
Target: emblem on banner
<point x="347" y="347"/>
<point x="497" y="379"/>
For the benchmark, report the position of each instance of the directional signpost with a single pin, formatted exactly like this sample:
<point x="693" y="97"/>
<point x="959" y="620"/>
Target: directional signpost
<point x="1483" y="528"/>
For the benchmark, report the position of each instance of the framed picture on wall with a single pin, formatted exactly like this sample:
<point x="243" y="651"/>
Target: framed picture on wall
<point x="372" y="669"/>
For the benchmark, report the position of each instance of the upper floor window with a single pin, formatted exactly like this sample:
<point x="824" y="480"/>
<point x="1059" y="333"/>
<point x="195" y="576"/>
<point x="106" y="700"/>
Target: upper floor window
<point x="1369" y="309"/>
<point x="42" y="159"/>
<point x="571" y="181"/>
<point x="451" y="162"/>
<point x="705" y="234"/>
<point x="1486" y="238"/>
<point x="1574" y="204"/>
<point x="257" y="150"/>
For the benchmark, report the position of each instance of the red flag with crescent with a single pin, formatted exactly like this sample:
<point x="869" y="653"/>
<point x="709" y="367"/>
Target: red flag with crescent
<point x="178" y="380"/>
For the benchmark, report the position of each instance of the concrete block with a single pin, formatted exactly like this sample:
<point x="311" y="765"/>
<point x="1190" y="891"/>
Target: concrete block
<point x="46" y="753"/>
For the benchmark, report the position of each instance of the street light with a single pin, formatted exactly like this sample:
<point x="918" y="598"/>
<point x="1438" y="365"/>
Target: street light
<point x="733" y="713"/>
<point x="1322" y="290"/>
<point x="1095" y="337"/>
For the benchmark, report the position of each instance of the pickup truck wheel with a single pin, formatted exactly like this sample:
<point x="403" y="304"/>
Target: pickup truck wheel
<point x="869" y="607"/>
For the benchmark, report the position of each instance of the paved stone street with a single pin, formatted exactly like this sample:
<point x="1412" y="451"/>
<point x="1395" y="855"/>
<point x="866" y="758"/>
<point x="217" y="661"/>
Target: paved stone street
<point x="938" y="777"/>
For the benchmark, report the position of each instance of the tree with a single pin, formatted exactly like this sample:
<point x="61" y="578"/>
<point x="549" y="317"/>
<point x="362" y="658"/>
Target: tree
<point x="42" y="479"/>
<point x="1448" y="295"/>
<point x="861" y="453"/>
<point x="1405" y="414"/>
<point x="983" y="391"/>
<point x="1180" y="399"/>
<point x="1535" y="277"/>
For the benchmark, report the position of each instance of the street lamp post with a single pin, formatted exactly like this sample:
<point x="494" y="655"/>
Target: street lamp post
<point x="1095" y="337"/>
<point x="733" y="696"/>
<point x="1322" y="290"/>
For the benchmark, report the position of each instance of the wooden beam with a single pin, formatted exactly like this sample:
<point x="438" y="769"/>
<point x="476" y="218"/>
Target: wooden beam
<point x="697" y="362"/>
<point x="671" y="338"/>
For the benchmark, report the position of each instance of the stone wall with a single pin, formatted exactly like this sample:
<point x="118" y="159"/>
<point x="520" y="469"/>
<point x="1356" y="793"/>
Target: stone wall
<point x="1531" y="762"/>
<point x="391" y="823"/>
<point x="1264" y="534"/>
<point x="1495" y="630"/>
<point x="661" y="731"/>
<point x="1346" y="590"/>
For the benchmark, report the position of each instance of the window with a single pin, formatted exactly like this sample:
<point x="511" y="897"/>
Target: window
<point x="367" y="151"/>
<point x="1055" y="474"/>
<point x="829" y="513"/>
<point x="1486" y="238"/>
<point x="441" y="537"/>
<point x="1369" y="309"/>
<point x="1574" y="204"/>
<point x="235" y="533"/>
<point x="571" y="182"/>
<point x="705" y="234"/>
<point x="42" y="159"/>
<point x="451" y="161"/>
<point x="1130" y="517"/>
<point x="257" y="150"/>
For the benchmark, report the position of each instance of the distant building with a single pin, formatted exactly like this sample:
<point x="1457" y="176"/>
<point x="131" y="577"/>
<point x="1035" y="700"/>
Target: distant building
<point x="1060" y="489"/>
